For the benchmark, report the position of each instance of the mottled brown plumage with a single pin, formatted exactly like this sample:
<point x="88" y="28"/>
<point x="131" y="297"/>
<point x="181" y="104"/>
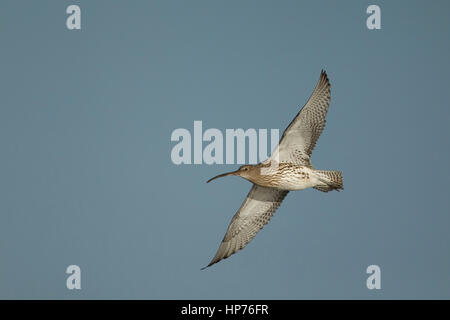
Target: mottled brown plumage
<point x="288" y="168"/>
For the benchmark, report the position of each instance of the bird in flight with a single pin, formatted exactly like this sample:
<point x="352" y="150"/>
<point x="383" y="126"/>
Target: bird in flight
<point x="288" y="168"/>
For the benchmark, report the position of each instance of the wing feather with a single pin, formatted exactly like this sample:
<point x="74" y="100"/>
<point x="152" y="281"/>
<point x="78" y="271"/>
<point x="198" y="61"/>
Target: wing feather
<point x="256" y="211"/>
<point x="300" y="137"/>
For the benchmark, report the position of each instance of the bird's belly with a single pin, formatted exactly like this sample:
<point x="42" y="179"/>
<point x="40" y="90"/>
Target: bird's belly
<point x="296" y="182"/>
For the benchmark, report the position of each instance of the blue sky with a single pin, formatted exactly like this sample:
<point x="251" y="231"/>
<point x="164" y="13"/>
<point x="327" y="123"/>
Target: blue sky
<point x="86" y="176"/>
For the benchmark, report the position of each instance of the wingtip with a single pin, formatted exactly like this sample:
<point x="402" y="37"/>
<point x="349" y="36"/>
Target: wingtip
<point x="212" y="262"/>
<point x="209" y="265"/>
<point x="323" y="79"/>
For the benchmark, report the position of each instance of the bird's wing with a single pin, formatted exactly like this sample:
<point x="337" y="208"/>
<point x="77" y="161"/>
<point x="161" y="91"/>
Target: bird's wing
<point x="300" y="137"/>
<point x="256" y="211"/>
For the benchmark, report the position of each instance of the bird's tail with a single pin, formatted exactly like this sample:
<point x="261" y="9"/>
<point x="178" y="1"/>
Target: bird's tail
<point x="332" y="180"/>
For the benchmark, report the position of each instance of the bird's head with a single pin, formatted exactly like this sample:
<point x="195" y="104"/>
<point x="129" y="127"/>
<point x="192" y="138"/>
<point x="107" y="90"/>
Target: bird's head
<point x="245" y="171"/>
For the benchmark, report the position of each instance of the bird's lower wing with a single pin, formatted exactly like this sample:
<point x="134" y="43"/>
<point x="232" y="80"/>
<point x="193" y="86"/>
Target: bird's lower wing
<point x="256" y="211"/>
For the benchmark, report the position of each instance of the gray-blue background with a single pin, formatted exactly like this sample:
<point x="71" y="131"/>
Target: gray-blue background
<point x="85" y="170"/>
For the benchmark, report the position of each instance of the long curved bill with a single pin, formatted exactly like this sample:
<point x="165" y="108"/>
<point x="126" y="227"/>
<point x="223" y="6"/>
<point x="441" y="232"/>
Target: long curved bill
<point x="232" y="173"/>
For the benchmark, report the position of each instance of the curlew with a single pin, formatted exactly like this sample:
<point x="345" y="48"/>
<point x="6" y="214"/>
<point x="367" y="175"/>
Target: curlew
<point x="288" y="168"/>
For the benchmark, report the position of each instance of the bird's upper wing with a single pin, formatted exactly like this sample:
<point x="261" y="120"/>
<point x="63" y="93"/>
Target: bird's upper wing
<point x="256" y="211"/>
<point x="300" y="137"/>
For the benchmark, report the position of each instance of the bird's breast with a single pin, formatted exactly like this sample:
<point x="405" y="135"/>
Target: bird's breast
<point x="288" y="178"/>
<point x="295" y="182"/>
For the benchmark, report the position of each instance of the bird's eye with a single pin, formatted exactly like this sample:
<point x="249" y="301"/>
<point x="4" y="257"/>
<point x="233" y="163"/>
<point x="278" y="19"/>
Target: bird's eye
<point x="245" y="168"/>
